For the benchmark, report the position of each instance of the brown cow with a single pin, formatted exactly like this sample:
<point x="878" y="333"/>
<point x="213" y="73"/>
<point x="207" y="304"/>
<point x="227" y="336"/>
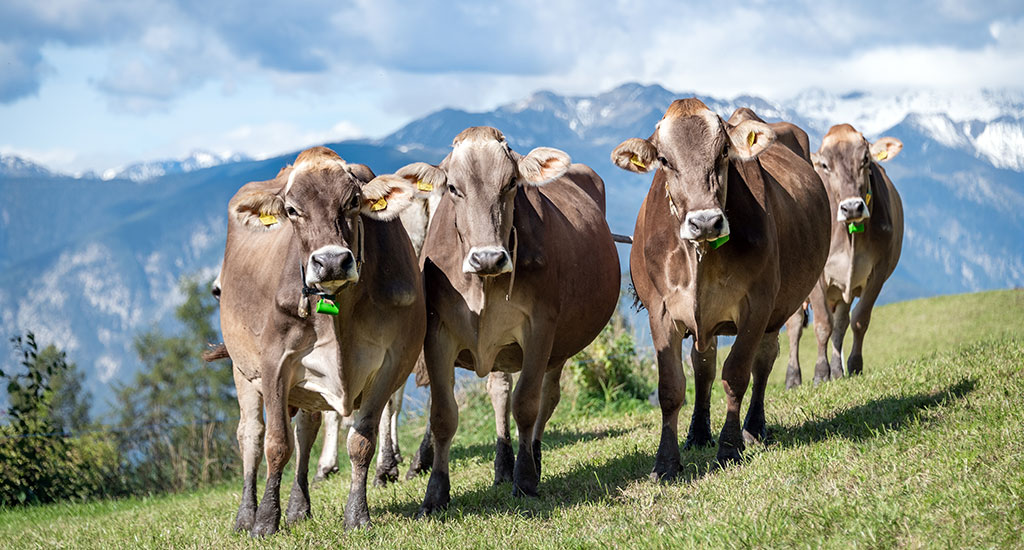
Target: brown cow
<point x="521" y="273"/>
<point x="320" y="227"/>
<point x="728" y="241"/>
<point x="867" y="237"/>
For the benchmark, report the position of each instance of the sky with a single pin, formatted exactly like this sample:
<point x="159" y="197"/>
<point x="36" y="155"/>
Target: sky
<point x="95" y="84"/>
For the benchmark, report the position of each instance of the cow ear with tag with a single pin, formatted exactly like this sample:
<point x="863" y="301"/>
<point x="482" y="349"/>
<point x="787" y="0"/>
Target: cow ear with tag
<point x="386" y="196"/>
<point x="635" y="155"/>
<point x="885" y="148"/>
<point x="749" y="139"/>
<point x="543" y="165"/>
<point x="427" y="178"/>
<point x="258" y="210"/>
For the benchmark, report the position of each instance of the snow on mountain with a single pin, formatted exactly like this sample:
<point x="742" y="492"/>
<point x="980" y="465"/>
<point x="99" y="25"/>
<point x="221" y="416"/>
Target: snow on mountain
<point x="16" y="167"/>
<point x="146" y="171"/>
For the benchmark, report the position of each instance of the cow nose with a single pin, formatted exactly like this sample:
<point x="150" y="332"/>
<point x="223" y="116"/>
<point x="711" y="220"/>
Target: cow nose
<point x="331" y="265"/>
<point x="852" y="210"/>
<point x="487" y="261"/>
<point x="703" y="225"/>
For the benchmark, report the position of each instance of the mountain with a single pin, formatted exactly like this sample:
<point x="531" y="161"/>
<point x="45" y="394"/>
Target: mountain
<point x="147" y="171"/>
<point x="90" y="262"/>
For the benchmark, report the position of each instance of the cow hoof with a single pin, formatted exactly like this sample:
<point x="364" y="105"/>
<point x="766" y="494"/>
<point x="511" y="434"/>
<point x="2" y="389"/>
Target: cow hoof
<point x="755" y="436"/>
<point x="698" y="439"/>
<point x="244" y="520"/>
<point x="264" y="528"/>
<point x="504" y="462"/>
<point x="358" y="520"/>
<point x="521" y="491"/>
<point x="438" y="496"/>
<point x="855" y="364"/>
<point x="385" y="476"/>
<point x="432" y="506"/>
<point x="665" y="473"/>
<point x="298" y="506"/>
<point x="728" y="455"/>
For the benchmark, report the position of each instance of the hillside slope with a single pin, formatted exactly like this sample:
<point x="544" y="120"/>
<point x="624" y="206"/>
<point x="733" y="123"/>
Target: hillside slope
<point x="923" y="450"/>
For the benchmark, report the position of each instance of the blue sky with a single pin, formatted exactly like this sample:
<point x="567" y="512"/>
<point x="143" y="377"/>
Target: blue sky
<point x="90" y="84"/>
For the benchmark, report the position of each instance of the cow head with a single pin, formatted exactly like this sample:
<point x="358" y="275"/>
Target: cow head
<point x="324" y="201"/>
<point x="481" y="177"/>
<point x="692" y="147"/>
<point x="844" y="164"/>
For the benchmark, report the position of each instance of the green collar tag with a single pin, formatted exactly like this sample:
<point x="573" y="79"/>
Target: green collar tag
<point x="325" y="306"/>
<point x="719" y="242"/>
<point x="855" y="227"/>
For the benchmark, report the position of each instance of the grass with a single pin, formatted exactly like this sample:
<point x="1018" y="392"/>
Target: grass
<point x="923" y="450"/>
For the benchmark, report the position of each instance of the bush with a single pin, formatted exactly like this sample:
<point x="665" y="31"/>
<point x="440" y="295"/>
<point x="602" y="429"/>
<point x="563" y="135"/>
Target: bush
<point x="609" y="372"/>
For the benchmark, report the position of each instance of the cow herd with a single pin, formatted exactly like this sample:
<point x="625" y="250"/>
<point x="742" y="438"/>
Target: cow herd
<point x="336" y="283"/>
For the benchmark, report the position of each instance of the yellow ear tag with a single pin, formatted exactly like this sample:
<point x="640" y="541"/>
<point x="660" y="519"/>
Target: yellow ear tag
<point x="381" y="204"/>
<point x="636" y="160"/>
<point x="268" y="219"/>
<point x="424" y="186"/>
<point x="751" y="138"/>
<point x="882" y="155"/>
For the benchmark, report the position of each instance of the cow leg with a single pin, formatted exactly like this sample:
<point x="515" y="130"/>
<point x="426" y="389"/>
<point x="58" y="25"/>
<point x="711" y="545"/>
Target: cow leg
<point x="250" y="443"/>
<point x="278" y="449"/>
<point x="794" y="329"/>
<point x="735" y="379"/>
<point x="754" y="428"/>
<point x="551" y="394"/>
<point x="307" y="424"/>
<point x="361" y="441"/>
<point x="499" y="386"/>
<point x="387" y="464"/>
<point x="822" y="332"/>
<point x="841" y="320"/>
<point x="671" y="394"/>
<point x="328" y="464"/>
<point x="396" y="409"/>
<point x="861" y="320"/>
<point x="440" y="355"/>
<point x="704" y="365"/>
<point x="424" y="457"/>
<point x="526" y="407"/>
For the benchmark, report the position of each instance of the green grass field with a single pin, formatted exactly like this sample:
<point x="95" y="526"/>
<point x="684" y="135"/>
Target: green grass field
<point x="926" y="449"/>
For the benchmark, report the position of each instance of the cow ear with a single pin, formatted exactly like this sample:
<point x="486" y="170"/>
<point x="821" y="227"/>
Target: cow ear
<point x="885" y="148"/>
<point x="636" y="155"/>
<point x="543" y="165"/>
<point x="749" y="138"/>
<point x="426" y="178"/>
<point x="386" y="196"/>
<point x="258" y="210"/>
<point x="362" y="172"/>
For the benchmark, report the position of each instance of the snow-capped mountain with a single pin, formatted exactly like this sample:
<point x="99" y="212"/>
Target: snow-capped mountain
<point x="91" y="262"/>
<point x="146" y="171"/>
<point x="13" y="166"/>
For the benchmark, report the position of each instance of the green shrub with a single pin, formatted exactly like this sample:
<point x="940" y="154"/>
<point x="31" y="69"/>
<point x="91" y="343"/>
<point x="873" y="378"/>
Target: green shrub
<point x="609" y="372"/>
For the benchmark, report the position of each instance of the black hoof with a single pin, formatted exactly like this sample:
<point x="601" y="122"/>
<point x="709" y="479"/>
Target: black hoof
<point x="386" y="475"/>
<point x="525" y="477"/>
<point x="265" y="526"/>
<point x="755" y="436"/>
<point x="699" y="438"/>
<point x="438" y="496"/>
<point x="665" y="473"/>
<point x="298" y="506"/>
<point x="245" y="519"/>
<point x="357" y="521"/>
<point x="728" y="455"/>
<point x="855" y="364"/>
<point x="421" y="461"/>
<point x="521" y="491"/>
<point x="504" y="462"/>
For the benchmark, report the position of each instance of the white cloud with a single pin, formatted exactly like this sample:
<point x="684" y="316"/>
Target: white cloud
<point x="274" y="138"/>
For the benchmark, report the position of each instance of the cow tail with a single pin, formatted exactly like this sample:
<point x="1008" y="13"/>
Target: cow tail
<point x="215" y="353"/>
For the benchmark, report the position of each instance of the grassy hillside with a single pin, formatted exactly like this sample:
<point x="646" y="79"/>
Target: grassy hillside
<point x="923" y="450"/>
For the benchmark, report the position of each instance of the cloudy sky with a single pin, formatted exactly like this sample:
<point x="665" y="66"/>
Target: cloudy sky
<point x="91" y="84"/>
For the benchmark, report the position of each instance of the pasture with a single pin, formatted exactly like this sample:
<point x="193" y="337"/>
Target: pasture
<point x="923" y="450"/>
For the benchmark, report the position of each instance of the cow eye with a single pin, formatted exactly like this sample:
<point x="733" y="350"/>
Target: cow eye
<point x="353" y="203"/>
<point x="291" y="211"/>
<point x="664" y="162"/>
<point x="453" y="190"/>
<point x="510" y="185"/>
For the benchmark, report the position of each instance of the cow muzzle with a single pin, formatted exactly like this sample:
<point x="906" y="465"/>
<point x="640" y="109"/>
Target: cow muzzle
<point x="487" y="261"/>
<point x="852" y="210"/>
<point x="704" y="225"/>
<point x="331" y="267"/>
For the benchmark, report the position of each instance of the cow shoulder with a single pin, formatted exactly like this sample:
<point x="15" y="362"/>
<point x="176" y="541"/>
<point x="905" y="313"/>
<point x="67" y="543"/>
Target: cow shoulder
<point x="395" y="271"/>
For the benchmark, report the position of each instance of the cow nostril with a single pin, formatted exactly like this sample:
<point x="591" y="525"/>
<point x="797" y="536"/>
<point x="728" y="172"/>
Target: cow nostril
<point x="694" y="226"/>
<point x="719" y="224"/>
<point x="346" y="261"/>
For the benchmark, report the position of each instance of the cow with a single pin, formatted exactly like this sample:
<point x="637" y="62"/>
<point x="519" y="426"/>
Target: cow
<point x="321" y="229"/>
<point x="866" y="241"/>
<point x="728" y="241"/>
<point x="416" y="221"/>
<point x="521" y="274"/>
